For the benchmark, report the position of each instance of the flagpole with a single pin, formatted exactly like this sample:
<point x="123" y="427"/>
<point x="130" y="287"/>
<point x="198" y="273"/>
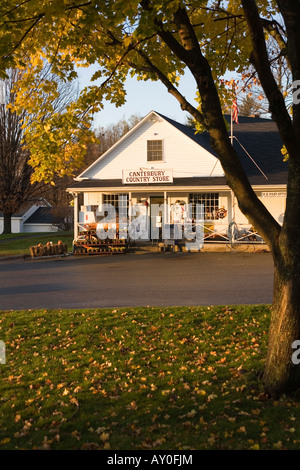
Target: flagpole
<point x="234" y="113"/>
<point x="231" y="126"/>
<point x="231" y="136"/>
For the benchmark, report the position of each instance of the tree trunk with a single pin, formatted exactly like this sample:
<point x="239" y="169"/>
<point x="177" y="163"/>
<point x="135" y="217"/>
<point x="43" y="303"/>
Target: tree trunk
<point x="7" y="223"/>
<point x="282" y="372"/>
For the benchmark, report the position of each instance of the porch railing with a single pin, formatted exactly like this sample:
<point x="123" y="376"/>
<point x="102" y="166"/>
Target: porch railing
<point x="233" y="233"/>
<point x="229" y="234"/>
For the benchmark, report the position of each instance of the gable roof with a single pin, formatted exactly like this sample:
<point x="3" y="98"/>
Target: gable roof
<point x="116" y="144"/>
<point x="29" y="207"/>
<point x="43" y="215"/>
<point x="200" y="139"/>
<point x="256" y="140"/>
<point x="257" y="143"/>
<point x="261" y="140"/>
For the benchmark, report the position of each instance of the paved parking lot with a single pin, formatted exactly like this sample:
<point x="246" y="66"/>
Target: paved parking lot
<point x="155" y="279"/>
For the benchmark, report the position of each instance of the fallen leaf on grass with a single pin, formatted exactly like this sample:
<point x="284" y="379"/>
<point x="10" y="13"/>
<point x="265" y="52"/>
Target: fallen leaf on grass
<point x="4" y="441"/>
<point x="104" y="437"/>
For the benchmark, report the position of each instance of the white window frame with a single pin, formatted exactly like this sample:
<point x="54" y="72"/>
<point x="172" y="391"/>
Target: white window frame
<point x="162" y="150"/>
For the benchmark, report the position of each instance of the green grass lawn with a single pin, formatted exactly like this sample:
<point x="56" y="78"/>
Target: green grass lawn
<point x="10" y="245"/>
<point x="138" y="379"/>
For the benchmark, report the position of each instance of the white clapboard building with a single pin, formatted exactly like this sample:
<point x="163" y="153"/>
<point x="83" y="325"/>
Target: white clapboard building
<point x="33" y="216"/>
<point x="162" y="163"/>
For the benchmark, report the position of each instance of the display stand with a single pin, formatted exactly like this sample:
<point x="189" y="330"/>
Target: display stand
<point x="88" y="243"/>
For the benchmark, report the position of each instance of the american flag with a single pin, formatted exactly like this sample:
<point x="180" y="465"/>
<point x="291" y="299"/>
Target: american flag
<point x="235" y="111"/>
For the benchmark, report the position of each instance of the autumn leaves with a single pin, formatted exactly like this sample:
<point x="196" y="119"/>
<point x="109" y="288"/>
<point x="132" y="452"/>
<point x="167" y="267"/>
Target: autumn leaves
<point x="146" y="378"/>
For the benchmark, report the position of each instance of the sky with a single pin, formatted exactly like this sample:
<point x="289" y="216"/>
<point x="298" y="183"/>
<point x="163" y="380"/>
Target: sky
<point x="142" y="97"/>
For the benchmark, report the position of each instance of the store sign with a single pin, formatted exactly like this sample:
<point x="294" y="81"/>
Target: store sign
<point x="147" y="176"/>
<point x="273" y="194"/>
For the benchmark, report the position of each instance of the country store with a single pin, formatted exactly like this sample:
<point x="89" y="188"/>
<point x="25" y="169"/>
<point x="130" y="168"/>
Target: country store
<point x="163" y="182"/>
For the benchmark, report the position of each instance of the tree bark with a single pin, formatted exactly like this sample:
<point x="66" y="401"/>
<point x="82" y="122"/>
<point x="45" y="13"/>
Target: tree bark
<point x="281" y="374"/>
<point x="7" y="223"/>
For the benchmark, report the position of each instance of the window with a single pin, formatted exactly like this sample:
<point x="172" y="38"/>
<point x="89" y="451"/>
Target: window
<point x="120" y="202"/>
<point x="210" y="202"/>
<point x="116" y="200"/>
<point x="154" y="150"/>
<point x="112" y="199"/>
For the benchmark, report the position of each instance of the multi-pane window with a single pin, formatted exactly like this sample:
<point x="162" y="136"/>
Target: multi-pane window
<point x="210" y="203"/>
<point x="112" y="199"/>
<point x="121" y="203"/>
<point x="154" y="150"/>
<point x="116" y="200"/>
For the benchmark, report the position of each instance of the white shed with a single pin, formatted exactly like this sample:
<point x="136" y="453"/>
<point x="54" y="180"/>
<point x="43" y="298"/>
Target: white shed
<point x="32" y="217"/>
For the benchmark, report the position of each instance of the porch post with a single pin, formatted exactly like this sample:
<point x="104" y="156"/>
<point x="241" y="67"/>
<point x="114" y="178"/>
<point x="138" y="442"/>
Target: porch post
<point x="75" y="216"/>
<point x="165" y="207"/>
<point x="232" y="206"/>
<point x="129" y="211"/>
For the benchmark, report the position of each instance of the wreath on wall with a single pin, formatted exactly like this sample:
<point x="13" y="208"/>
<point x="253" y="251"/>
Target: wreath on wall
<point x="222" y="213"/>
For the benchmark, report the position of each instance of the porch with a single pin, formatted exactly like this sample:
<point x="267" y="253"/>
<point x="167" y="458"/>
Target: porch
<point x="160" y="220"/>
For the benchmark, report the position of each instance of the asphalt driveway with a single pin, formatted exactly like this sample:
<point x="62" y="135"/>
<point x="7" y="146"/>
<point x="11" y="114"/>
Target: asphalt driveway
<point x="154" y="279"/>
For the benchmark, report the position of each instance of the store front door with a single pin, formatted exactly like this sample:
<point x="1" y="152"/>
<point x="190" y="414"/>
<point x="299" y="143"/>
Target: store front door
<point x="156" y="217"/>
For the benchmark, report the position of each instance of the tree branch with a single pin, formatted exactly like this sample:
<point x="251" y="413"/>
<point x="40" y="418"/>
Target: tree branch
<point x="273" y="29"/>
<point x="190" y="53"/>
<point x="290" y="10"/>
<point x="23" y="37"/>
<point x="17" y="6"/>
<point x="259" y="58"/>
<point x="184" y="104"/>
